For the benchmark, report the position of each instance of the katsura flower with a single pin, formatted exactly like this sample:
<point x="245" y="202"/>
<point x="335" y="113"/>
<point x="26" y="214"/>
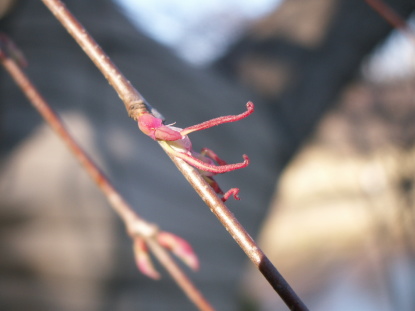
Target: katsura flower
<point x="178" y="246"/>
<point x="179" y="145"/>
<point x="143" y="260"/>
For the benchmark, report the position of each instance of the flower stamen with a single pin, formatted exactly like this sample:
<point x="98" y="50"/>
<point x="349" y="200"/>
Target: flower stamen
<point x="219" y="120"/>
<point x="180" y="146"/>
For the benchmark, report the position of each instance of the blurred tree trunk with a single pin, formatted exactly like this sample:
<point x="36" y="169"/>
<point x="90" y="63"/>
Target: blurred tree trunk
<point x="301" y="56"/>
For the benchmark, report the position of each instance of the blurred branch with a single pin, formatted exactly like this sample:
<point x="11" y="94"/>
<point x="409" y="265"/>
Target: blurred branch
<point x="138" y="229"/>
<point x="134" y="103"/>
<point x="391" y="17"/>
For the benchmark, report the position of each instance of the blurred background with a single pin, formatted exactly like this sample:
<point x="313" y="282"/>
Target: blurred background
<point x="329" y="192"/>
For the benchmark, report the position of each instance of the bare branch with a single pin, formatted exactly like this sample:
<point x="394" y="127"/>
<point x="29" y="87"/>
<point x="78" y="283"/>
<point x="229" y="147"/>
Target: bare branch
<point x="239" y="234"/>
<point x="123" y="87"/>
<point x="134" y="102"/>
<point x="137" y="227"/>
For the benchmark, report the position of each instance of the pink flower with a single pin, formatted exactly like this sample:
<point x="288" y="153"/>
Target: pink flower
<point x="207" y="162"/>
<point x="178" y="246"/>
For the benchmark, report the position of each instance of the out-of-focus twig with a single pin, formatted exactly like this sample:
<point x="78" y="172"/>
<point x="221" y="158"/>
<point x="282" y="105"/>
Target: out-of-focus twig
<point x="391" y="17"/>
<point x="137" y="227"/>
<point x="133" y="101"/>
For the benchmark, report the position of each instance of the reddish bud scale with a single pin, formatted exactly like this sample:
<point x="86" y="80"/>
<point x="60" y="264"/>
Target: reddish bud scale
<point x="155" y="128"/>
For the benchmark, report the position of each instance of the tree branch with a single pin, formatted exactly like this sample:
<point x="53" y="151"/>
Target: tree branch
<point x="239" y="234"/>
<point x="122" y="86"/>
<point x="391" y="17"/>
<point x="136" y="226"/>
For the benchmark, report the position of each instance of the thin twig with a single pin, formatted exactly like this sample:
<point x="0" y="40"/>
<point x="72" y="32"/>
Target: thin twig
<point x="136" y="226"/>
<point x="179" y="277"/>
<point x="121" y="84"/>
<point x="132" y="99"/>
<point x="239" y="234"/>
<point x="391" y="17"/>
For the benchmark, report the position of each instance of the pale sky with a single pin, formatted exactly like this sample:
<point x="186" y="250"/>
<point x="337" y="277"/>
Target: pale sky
<point x="199" y="31"/>
<point x="392" y="60"/>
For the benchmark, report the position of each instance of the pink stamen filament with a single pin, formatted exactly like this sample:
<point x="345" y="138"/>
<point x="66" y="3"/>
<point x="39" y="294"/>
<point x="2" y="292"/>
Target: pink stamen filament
<point x="209" y="153"/>
<point x="216" y="169"/>
<point x="231" y="192"/>
<point x="219" y="120"/>
<point x="213" y="184"/>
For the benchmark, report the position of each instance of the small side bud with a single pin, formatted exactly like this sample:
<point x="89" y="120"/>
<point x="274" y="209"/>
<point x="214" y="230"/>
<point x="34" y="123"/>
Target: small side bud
<point x="180" y="247"/>
<point x="143" y="260"/>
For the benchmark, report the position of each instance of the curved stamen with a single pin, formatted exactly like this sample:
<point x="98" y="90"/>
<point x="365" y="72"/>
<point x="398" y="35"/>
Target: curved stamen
<point x="216" y="169"/>
<point x="231" y="192"/>
<point x="219" y="120"/>
<point x="209" y="153"/>
<point x="213" y="184"/>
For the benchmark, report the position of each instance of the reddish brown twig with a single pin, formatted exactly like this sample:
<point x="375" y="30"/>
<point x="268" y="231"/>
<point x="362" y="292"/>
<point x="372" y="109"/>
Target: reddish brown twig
<point x="391" y="17"/>
<point x="237" y="231"/>
<point x="387" y="13"/>
<point x="139" y="229"/>
<point x="134" y="102"/>
<point x="135" y="107"/>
